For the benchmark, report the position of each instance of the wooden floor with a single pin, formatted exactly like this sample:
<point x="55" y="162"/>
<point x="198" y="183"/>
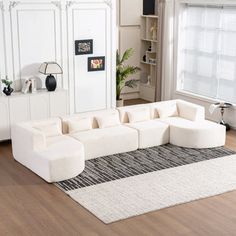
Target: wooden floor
<point x="30" y="206"/>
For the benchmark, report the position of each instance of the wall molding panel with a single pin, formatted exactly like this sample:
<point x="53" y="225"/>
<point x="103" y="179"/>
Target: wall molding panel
<point x="100" y="85"/>
<point x="32" y="32"/>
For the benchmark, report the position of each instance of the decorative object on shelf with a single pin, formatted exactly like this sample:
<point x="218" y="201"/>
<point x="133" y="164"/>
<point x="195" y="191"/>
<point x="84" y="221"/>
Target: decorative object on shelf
<point x="222" y="106"/>
<point x="7" y="89"/>
<point x="96" y="64"/>
<point x="152" y="60"/>
<point x="148" y="7"/>
<point x="83" y="47"/>
<point x="49" y="68"/>
<point x="144" y="58"/>
<point x="33" y="86"/>
<point x="29" y="86"/>
<point x="26" y="86"/>
<point x="122" y="72"/>
<point x="150" y="48"/>
<point x="153" y="31"/>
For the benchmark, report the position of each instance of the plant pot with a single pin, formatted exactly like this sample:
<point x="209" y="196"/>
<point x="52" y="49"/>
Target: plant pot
<point x="120" y="103"/>
<point x="8" y="90"/>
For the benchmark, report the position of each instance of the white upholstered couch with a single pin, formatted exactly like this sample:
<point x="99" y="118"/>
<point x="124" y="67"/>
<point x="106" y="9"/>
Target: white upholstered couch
<point x="56" y="149"/>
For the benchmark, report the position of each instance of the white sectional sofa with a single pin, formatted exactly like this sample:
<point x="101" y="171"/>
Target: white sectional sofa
<point x="56" y="149"/>
<point x="110" y="138"/>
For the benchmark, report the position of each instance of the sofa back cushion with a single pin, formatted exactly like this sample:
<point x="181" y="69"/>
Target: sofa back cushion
<point x="164" y="109"/>
<point x="109" y="120"/>
<point x="139" y="114"/>
<point x="123" y="111"/>
<point x="92" y="115"/>
<point x="167" y="111"/>
<point x="190" y="111"/>
<point x="79" y="125"/>
<point x="50" y="127"/>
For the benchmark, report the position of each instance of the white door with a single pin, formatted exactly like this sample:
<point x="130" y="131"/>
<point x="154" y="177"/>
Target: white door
<point x="94" y="20"/>
<point x="36" y="37"/>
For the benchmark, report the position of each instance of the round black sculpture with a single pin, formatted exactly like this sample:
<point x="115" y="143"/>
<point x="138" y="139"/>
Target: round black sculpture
<point x="51" y="83"/>
<point x="8" y="90"/>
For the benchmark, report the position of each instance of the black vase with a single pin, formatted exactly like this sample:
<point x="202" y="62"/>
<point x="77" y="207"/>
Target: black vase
<point x="51" y="83"/>
<point x="8" y="90"/>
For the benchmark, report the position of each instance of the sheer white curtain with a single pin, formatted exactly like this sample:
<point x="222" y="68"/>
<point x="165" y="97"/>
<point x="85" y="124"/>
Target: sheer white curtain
<point x="207" y="52"/>
<point x="166" y="47"/>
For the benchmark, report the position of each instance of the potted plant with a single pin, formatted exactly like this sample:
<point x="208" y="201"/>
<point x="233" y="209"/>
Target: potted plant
<point x="7" y="89"/>
<point x="122" y="73"/>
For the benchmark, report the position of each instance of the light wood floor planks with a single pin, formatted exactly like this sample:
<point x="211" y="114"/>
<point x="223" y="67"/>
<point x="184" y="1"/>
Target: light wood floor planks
<point x="30" y="206"/>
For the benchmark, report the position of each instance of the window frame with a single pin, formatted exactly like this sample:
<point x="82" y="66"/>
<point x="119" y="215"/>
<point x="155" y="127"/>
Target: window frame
<point x="179" y="6"/>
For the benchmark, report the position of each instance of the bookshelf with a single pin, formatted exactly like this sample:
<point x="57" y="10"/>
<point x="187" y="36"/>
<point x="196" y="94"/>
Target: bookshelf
<point x="148" y="57"/>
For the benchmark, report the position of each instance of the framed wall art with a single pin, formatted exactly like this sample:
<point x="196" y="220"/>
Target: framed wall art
<point x="83" y="47"/>
<point x="96" y="63"/>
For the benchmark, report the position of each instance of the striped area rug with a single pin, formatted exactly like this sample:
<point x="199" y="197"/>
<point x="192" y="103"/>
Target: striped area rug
<point x="121" y="186"/>
<point x="110" y="168"/>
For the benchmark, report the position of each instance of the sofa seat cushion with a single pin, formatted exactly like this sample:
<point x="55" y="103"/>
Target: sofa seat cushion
<point x="151" y="133"/>
<point x="107" y="141"/>
<point x="63" y="158"/>
<point x="201" y="134"/>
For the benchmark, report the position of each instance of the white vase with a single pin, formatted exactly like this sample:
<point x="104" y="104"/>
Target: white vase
<point x="120" y="103"/>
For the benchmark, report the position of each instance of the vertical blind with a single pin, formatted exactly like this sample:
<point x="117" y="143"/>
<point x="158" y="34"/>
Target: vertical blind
<point x="208" y="51"/>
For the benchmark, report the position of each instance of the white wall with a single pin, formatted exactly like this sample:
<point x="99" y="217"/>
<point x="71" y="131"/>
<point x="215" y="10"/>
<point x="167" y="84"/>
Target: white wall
<point x="129" y="17"/>
<point x="44" y="30"/>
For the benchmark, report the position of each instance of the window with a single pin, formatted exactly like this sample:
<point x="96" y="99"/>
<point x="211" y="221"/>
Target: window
<point x="207" y="51"/>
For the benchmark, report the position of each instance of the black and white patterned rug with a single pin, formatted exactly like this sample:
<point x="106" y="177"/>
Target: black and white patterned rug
<point x="110" y="168"/>
<point x="120" y="186"/>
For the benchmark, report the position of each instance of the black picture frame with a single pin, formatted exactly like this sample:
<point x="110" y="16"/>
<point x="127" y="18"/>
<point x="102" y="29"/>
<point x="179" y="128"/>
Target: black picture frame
<point x="83" y="47"/>
<point x="91" y="64"/>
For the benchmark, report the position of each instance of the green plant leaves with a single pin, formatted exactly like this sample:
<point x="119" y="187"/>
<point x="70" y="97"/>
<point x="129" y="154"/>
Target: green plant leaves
<point x="124" y="71"/>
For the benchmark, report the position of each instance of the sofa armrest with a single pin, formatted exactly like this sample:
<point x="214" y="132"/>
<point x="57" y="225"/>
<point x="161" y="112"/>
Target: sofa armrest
<point x="190" y="111"/>
<point x="27" y="138"/>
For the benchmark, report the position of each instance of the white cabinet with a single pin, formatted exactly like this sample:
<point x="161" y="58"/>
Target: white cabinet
<point x="23" y="107"/>
<point x="58" y="104"/>
<point x="19" y="109"/>
<point x="4" y="119"/>
<point x="39" y="106"/>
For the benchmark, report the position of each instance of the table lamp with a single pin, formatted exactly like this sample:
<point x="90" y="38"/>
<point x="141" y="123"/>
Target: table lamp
<point x="49" y="68"/>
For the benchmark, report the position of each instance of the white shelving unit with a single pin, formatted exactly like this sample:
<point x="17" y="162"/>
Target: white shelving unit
<point x="148" y="57"/>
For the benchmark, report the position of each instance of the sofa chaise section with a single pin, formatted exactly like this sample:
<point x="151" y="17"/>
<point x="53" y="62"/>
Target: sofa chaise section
<point x="53" y="157"/>
<point x="177" y="122"/>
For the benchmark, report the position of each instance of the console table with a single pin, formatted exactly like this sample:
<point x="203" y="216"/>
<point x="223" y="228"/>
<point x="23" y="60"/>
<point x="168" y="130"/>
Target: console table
<point x="21" y="107"/>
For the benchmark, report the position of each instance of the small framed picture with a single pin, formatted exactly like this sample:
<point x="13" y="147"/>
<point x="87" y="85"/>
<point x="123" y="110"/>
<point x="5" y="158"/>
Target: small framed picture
<point x="96" y="63"/>
<point x="83" y="47"/>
